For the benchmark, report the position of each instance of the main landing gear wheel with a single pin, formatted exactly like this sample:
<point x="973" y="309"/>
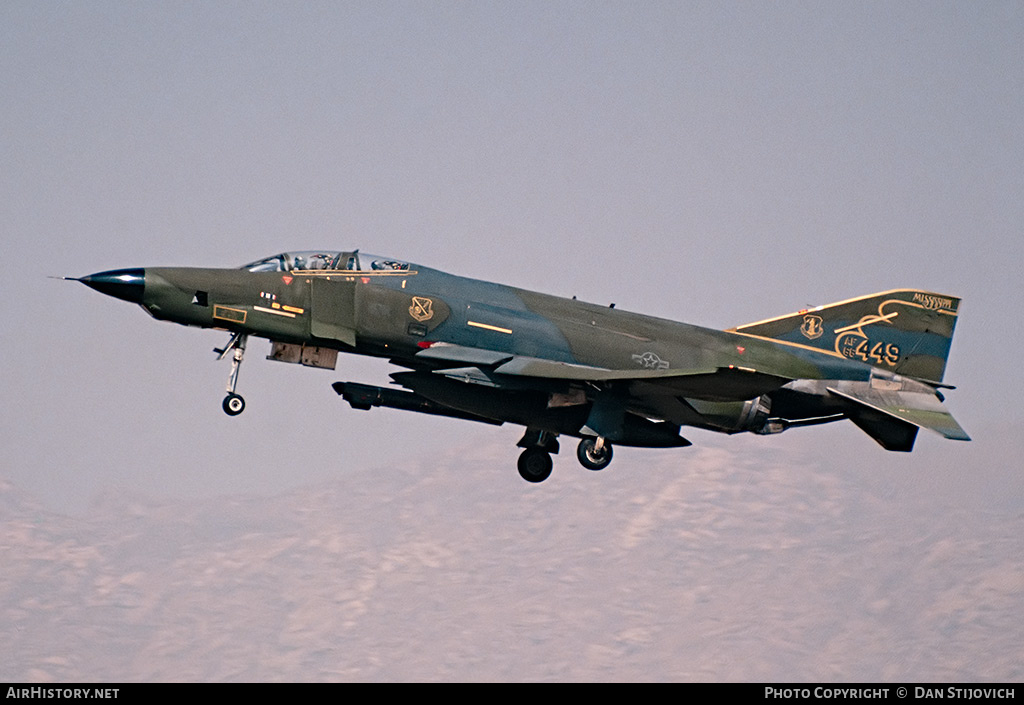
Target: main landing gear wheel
<point x="233" y="404"/>
<point x="594" y="453"/>
<point x="535" y="465"/>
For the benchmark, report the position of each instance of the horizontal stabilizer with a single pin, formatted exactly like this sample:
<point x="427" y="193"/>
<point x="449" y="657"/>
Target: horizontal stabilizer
<point x="874" y="407"/>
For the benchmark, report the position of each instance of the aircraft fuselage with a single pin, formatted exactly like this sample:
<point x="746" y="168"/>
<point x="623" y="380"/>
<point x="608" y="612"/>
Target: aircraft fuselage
<point x="495" y="353"/>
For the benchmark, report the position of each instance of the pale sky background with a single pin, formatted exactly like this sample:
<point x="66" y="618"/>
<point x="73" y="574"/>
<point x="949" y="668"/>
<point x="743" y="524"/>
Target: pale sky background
<point x="711" y="162"/>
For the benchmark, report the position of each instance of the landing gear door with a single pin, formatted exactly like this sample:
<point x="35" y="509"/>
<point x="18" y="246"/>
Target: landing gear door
<point x="333" y="310"/>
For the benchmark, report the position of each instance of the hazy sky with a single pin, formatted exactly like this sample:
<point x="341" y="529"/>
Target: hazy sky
<point x="710" y="162"/>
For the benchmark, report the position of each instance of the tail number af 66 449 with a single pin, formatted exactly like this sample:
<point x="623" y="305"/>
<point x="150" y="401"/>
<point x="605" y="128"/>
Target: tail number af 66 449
<point x="875" y="352"/>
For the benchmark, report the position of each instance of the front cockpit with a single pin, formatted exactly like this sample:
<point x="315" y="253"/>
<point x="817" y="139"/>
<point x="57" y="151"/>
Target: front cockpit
<point x="326" y="260"/>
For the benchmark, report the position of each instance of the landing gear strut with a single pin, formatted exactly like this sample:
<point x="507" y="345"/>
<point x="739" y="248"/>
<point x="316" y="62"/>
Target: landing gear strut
<point x="594" y="453"/>
<point x="233" y="403"/>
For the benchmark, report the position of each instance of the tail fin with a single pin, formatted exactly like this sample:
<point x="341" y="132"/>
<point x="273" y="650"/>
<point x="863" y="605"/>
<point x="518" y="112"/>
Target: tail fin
<point x="904" y="331"/>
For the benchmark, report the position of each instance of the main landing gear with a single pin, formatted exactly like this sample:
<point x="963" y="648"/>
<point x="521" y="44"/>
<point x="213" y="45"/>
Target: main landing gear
<point x="233" y="403"/>
<point x="535" y="464"/>
<point x="535" y="461"/>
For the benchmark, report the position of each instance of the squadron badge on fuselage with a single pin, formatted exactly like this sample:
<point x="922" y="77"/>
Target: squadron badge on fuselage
<point x="422" y="308"/>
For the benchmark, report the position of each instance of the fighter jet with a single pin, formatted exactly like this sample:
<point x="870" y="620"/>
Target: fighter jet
<point x="496" y="354"/>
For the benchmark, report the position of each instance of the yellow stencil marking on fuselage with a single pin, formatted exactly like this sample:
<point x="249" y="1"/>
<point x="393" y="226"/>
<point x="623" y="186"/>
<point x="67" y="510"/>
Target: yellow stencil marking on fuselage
<point x="488" y="327"/>
<point x="276" y="313"/>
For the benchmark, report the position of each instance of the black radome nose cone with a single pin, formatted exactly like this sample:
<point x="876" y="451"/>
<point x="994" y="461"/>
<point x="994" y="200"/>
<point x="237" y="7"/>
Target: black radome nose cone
<point x="126" y="284"/>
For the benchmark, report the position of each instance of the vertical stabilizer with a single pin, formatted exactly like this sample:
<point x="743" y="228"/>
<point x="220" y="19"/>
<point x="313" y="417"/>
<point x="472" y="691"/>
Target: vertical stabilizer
<point x="904" y="331"/>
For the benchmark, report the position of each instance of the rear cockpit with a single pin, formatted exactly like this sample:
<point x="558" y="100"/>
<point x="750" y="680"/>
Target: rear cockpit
<point x="326" y="260"/>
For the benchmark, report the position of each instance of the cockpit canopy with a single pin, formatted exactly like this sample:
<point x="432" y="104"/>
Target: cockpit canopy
<point x="313" y="260"/>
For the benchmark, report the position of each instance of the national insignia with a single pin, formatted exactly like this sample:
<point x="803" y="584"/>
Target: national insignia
<point x="650" y="361"/>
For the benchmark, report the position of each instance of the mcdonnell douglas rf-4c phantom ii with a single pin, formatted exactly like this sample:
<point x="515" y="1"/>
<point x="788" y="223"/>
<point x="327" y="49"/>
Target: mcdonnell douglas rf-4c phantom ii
<point x="491" y="353"/>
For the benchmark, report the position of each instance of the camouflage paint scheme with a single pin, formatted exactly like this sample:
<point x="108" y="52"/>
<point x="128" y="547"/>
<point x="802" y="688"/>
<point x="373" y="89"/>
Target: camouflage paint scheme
<point x="492" y="353"/>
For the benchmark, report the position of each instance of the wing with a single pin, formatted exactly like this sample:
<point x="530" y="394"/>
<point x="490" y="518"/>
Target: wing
<point x="624" y="402"/>
<point x="481" y="366"/>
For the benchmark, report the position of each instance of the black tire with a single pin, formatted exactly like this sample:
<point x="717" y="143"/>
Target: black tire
<point x="233" y="404"/>
<point x="535" y="465"/>
<point x="586" y="453"/>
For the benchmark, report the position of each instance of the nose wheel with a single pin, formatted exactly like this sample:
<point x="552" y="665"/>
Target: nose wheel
<point x="233" y="403"/>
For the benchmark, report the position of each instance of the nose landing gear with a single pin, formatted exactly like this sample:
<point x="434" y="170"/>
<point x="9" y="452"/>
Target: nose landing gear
<point x="233" y="403"/>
